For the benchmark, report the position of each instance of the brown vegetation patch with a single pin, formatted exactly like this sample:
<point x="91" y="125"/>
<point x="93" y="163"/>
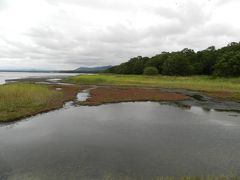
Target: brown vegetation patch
<point x="102" y="95"/>
<point x="69" y="91"/>
<point x="222" y="94"/>
<point x="69" y="94"/>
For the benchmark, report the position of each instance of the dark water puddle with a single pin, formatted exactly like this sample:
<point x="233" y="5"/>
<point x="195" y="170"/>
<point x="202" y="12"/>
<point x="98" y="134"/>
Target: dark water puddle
<point x="198" y="97"/>
<point x="142" y="139"/>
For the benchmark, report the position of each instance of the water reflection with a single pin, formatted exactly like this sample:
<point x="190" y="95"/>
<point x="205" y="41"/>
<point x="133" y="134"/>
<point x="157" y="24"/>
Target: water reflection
<point x="199" y="110"/>
<point x="83" y="95"/>
<point x="177" y="105"/>
<point x="129" y="139"/>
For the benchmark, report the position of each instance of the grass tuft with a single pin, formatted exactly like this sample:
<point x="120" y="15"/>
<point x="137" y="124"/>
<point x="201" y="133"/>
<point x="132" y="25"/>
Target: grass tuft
<point x="20" y="100"/>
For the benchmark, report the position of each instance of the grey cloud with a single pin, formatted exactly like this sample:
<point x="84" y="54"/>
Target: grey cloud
<point x="188" y="15"/>
<point x="53" y="40"/>
<point x="186" y="25"/>
<point x="100" y="4"/>
<point x="216" y="30"/>
<point x="222" y="2"/>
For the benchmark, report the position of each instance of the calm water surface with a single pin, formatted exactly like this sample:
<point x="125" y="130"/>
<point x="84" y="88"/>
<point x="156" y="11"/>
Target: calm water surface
<point x="142" y="139"/>
<point x="19" y="75"/>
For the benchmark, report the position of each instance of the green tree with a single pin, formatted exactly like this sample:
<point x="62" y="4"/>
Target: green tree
<point x="150" y="71"/>
<point x="206" y="60"/>
<point x="228" y="64"/>
<point x="177" y="64"/>
<point x="222" y="62"/>
<point x="133" y="66"/>
<point x="157" y="61"/>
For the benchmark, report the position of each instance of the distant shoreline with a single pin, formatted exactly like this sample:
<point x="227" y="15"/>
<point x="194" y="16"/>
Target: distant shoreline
<point x="83" y="70"/>
<point x="62" y="71"/>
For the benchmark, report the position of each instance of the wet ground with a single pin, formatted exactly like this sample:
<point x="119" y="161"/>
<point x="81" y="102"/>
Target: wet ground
<point x="199" y="99"/>
<point x="206" y="102"/>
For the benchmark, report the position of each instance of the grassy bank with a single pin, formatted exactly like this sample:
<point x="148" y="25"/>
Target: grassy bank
<point x="219" y="87"/>
<point x="22" y="100"/>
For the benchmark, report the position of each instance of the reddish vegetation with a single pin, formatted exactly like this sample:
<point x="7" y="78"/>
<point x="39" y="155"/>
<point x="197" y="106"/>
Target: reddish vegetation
<point x="102" y="95"/>
<point x="69" y="92"/>
<point x="221" y="94"/>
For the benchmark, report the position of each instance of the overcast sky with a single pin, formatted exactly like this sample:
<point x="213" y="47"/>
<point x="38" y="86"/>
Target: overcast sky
<point x="66" y="34"/>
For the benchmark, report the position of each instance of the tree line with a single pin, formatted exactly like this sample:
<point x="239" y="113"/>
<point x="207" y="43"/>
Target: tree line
<point x="211" y="61"/>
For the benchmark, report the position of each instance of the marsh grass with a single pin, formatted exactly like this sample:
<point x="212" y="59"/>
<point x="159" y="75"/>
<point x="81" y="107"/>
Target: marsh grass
<point x="20" y="100"/>
<point x="220" y="87"/>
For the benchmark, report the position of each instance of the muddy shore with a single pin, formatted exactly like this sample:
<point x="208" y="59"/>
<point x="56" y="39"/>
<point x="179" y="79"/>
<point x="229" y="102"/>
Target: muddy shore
<point x="115" y="94"/>
<point x="180" y="97"/>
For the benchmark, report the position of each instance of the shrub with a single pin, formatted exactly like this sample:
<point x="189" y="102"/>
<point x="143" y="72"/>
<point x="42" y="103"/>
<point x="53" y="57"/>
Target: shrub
<point x="228" y="65"/>
<point x="177" y="64"/>
<point x="150" y="71"/>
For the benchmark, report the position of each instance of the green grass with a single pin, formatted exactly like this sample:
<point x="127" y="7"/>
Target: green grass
<point x="21" y="100"/>
<point x="198" y="83"/>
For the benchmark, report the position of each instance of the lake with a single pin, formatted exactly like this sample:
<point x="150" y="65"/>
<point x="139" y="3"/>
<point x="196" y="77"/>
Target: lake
<point x="142" y="139"/>
<point x="19" y="75"/>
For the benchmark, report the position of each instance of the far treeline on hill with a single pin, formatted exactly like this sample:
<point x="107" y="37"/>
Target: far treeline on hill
<point x="92" y="69"/>
<point x="211" y="61"/>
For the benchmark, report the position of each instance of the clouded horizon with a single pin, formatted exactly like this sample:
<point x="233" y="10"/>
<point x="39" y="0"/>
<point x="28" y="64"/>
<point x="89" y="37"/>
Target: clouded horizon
<point x="67" y="34"/>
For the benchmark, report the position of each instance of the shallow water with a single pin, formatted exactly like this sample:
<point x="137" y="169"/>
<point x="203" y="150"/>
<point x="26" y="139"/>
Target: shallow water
<point x="20" y="75"/>
<point x="142" y="139"/>
<point x="83" y="95"/>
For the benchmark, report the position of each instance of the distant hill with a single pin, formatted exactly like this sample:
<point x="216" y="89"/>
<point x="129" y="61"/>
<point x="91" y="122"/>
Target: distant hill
<point x="92" y="69"/>
<point x="79" y="70"/>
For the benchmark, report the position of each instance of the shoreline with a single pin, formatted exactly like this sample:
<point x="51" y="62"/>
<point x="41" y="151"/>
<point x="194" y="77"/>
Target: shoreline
<point x="109" y="94"/>
<point x="186" y="98"/>
<point x="68" y="93"/>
